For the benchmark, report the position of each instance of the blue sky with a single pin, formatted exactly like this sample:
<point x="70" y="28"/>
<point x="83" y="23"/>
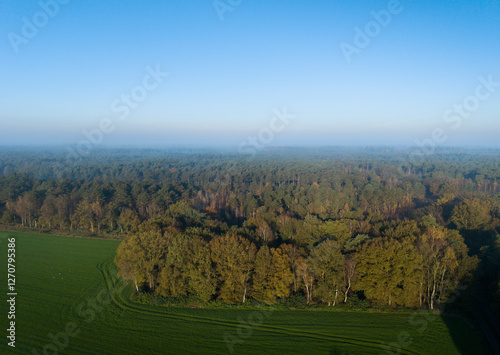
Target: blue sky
<point x="226" y="77"/>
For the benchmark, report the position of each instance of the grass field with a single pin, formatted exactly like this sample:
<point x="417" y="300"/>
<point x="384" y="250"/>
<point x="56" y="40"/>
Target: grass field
<point x="64" y="304"/>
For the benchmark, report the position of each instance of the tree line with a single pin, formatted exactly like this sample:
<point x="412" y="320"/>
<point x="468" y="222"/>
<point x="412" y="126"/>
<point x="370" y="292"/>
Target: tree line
<point x="409" y="265"/>
<point x="326" y="224"/>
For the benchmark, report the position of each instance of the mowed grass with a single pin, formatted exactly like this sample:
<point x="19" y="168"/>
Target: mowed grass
<point x="63" y="281"/>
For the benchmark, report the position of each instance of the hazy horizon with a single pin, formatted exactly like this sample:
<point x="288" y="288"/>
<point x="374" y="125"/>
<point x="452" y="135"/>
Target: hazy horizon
<point x="364" y="73"/>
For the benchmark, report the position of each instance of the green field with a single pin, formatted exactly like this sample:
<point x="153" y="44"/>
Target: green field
<point x="64" y="282"/>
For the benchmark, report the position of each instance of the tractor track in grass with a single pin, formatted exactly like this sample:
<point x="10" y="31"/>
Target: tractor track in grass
<point x="124" y="302"/>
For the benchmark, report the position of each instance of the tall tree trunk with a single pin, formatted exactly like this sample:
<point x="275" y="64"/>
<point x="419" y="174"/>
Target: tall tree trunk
<point x="433" y="294"/>
<point x="307" y="294"/>
<point x="294" y="281"/>
<point x="347" y="291"/>
<point x="420" y="295"/>
<point x="428" y="290"/>
<point x="151" y="282"/>
<point x="441" y="285"/>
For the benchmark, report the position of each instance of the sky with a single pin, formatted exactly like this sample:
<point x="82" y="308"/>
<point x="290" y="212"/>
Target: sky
<point x="241" y="72"/>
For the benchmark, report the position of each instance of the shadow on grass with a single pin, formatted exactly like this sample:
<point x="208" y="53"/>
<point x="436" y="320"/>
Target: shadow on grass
<point x="471" y="321"/>
<point x="466" y="334"/>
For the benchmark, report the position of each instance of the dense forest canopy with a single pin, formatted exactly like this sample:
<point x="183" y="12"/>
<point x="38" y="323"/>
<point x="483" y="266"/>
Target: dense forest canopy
<point x="331" y="224"/>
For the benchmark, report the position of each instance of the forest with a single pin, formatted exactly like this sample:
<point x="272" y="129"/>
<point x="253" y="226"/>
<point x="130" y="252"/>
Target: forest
<point x="326" y="225"/>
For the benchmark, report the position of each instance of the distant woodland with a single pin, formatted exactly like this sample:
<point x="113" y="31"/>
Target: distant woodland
<point x="326" y="226"/>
